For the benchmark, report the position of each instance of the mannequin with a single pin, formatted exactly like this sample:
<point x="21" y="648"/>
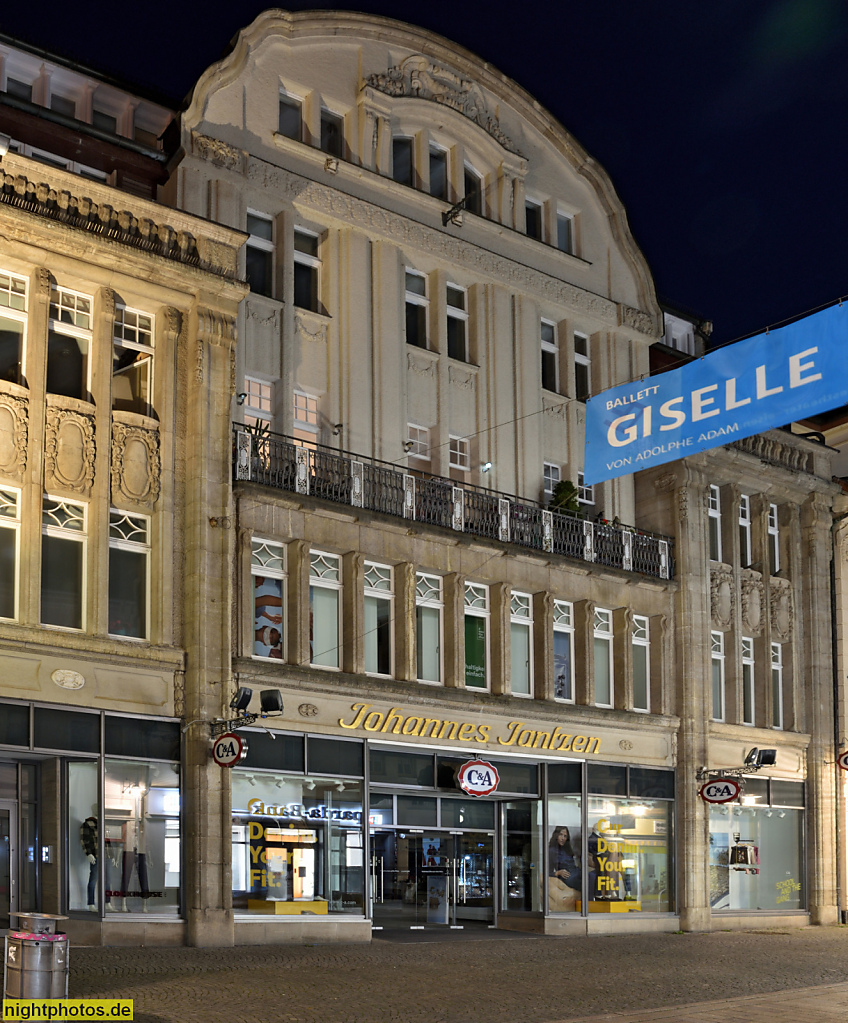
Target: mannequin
<point x="90" y="846"/>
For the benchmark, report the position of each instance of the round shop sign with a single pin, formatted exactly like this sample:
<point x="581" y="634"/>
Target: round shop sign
<point x="228" y="749"/>
<point x="478" y="778"/>
<point x="720" y="790"/>
<point x="842" y="760"/>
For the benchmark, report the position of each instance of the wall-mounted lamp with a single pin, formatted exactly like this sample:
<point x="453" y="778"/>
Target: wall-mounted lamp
<point x="337" y="429"/>
<point x="240" y="397"/>
<point x="486" y="467"/>
<point x="408" y="445"/>
<point x="270" y="702"/>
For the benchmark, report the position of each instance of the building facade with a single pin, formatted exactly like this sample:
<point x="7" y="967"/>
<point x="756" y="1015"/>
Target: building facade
<point x="377" y="509"/>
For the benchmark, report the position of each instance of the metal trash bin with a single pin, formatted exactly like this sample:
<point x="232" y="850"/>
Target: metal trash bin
<point x="36" y="961"/>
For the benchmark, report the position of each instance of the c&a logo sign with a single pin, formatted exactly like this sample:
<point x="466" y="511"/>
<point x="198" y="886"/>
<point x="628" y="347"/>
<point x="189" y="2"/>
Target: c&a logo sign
<point x="720" y="790"/>
<point x="478" y="778"/>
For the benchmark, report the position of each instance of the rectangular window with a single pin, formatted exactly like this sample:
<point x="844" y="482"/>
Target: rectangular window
<point x="268" y="575"/>
<point x="565" y="232"/>
<point x="582" y="374"/>
<point x="476" y="636"/>
<point x="129" y="574"/>
<point x="747" y="681"/>
<point x="132" y="361"/>
<point x="63" y="105"/>
<point x="378" y="619"/>
<point x="403" y="161"/>
<point x="550" y="357"/>
<point x="563" y="651"/>
<point x="291" y="117"/>
<point x="63" y="545"/>
<point x="416" y="308"/>
<point x="332" y="134"/>
<point x="325" y="597"/>
<point x="773" y="540"/>
<point x="305" y="418"/>
<point x="551" y="476"/>
<point x="68" y="343"/>
<point x="641" y="648"/>
<point x="776" y="685"/>
<point x="585" y="495"/>
<point x="460" y="457"/>
<point x="258" y="403"/>
<point x="20" y="90"/>
<point x="457" y="314"/>
<point x="521" y="644"/>
<point x="10" y="525"/>
<point x="717" y="660"/>
<point x="418" y="441"/>
<point x="602" y="641"/>
<point x="438" y="173"/>
<point x="307" y="267"/>
<point x="259" y="254"/>
<point x="429" y="612"/>
<point x="533" y="220"/>
<point x="744" y="531"/>
<point x="714" y="518"/>
<point x="473" y="184"/>
<point x="103" y="121"/>
<point x="13" y="307"/>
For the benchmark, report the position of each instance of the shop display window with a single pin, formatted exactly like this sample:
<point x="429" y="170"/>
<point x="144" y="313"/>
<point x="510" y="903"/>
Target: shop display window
<point x="296" y="845"/>
<point x="141" y="837"/>
<point x="84" y="836"/>
<point x="565" y="855"/>
<point x="757" y="850"/>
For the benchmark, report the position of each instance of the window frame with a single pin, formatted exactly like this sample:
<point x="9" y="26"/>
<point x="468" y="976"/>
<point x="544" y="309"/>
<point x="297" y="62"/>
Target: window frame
<point x="21" y="316"/>
<point x="744" y="519"/>
<point x="459" y="453"/>
<point x="293" y="103"/>
<point x="275" y="549"/>
<point x="420" y="302"/>
<point x="773" y="536"/>
<point x="717" y="677"/>
<point x="56" y="325"/>
<point x="408" y="142"/>
<point x="478" y="607"/>
<point x="134" y="547"/>
<point x="714" y="522"/>
<point x="563" y="622"/>
<point x="305" y="431"/>
<point x="10" y="498"/>
<point x="549" y="355"/>
<point x="640" y="638"/>
<point x="473" y="197"/>
<point x="419" y="438"/>
<point x="521" y="617"/>
<point x="258" y="407"/>
<point x="424" y="600"/>
<point x="459" y="316"/>
<point x="748" y="681"/>
<point x="59" y="532"/>
<point x="776" y="661"/>
<point x="329" y="117"/>
<point x="386" y="596"/>
<point x="264" y="247"/>
<point x="585" y="492"/>
<point x="551" y="476"/>
<point x="310" y="263"/>
<point x="563" y="218"/>
<point x="439" y="155"/>
<point x="539" y="217"/>
<point x="583" y="375"/>
<point x="602" y="632"/>
<point x="336" y="586"/>
<point x="146" y="349"/>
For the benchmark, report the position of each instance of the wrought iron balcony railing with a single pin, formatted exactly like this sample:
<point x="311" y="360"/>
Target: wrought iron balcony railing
<point x="361" y="482"/>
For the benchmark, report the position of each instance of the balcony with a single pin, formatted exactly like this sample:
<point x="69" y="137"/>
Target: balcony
<point x="342" y="477"/>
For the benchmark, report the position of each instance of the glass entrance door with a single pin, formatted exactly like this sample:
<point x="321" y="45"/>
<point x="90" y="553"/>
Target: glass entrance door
<point x="439" y="879"/>
<point x="8" y="861"/>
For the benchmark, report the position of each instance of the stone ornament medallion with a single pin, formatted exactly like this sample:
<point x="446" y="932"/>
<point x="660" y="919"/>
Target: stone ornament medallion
<point x="67" y="679"/>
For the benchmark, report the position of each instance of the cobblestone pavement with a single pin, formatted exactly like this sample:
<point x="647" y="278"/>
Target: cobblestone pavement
<point x="721" y="977"/>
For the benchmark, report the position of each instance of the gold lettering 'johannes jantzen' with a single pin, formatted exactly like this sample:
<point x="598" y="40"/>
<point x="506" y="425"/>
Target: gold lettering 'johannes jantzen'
<point x="395" y="722"/>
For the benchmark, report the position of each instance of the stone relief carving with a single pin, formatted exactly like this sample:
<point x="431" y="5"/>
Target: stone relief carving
<point x="638" y="320"/>
<point x="69" y="450"/>
<point x="460" y="379"/>
<point x="14" y="432"/>
<point x="319" y="334"/>
<point x="136" y="469"/>
<point x="217" y="256"/>
<point x="423" y="367"/>
<point x="752" y="602"/>
<point x="557" y="409"/>
<point x="665" y="482"/>
<point x="217" y="152"/>
<point x="782" y="610"/>
<point x="107" y="302"/>
<point x="722" y="602"/>
<point x="418" y="78"/>
<point x="42" y="281"/>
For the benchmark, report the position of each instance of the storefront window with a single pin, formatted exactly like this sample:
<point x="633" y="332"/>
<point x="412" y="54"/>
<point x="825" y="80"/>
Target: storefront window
<point x="83" y="836"/>
<point x="756" y="858"/>
<point x="564" y="864"/>
<point x="297" y="845"/>
<point x="141" y="837"/>
<point x="522" y="855"/>
<point x="629" y="854"/>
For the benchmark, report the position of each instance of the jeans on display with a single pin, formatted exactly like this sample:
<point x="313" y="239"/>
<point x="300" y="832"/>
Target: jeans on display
<point x="92" y="883"/>
<point x="138" y="861"/>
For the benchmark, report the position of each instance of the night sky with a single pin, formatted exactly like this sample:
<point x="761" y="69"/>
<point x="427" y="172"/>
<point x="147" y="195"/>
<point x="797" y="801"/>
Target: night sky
<point x="722" y="124"/>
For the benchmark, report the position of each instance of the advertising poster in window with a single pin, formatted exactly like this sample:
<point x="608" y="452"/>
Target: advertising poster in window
<point x="268" y="617"/>
<point x="475" y="652"/>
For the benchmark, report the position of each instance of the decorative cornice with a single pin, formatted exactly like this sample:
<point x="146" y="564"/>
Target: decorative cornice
<point x="418" y="78"/>
<point x="214" y="327"/>
<point x="772" y="452"/>
<point x="218" y="152"/>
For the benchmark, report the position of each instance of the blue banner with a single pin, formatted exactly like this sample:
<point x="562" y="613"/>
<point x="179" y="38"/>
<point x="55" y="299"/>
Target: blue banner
<point x="769" y="380"/>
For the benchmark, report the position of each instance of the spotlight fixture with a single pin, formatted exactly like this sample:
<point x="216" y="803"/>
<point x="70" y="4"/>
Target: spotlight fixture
<point x="754" y="759"/>
<point x="271" y="701"/>
<point x="408" y="445"/>
<point x="241" y="701"/>
<point x="240" y="397"/>
<point x="337" y="429"/>
<point x="486" y="467"/>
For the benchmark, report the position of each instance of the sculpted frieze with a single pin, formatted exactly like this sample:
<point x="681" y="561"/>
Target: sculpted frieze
<point x="136" y="469"/>
<point x="418" y="78"/>
<point x="722" y="602"/>
<point x="14" y="431"/>
<point x="69" y="450"/>
<point x="217" y="152"/>
<point x="752" y="602"/>
<point x="782" y="610"/>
